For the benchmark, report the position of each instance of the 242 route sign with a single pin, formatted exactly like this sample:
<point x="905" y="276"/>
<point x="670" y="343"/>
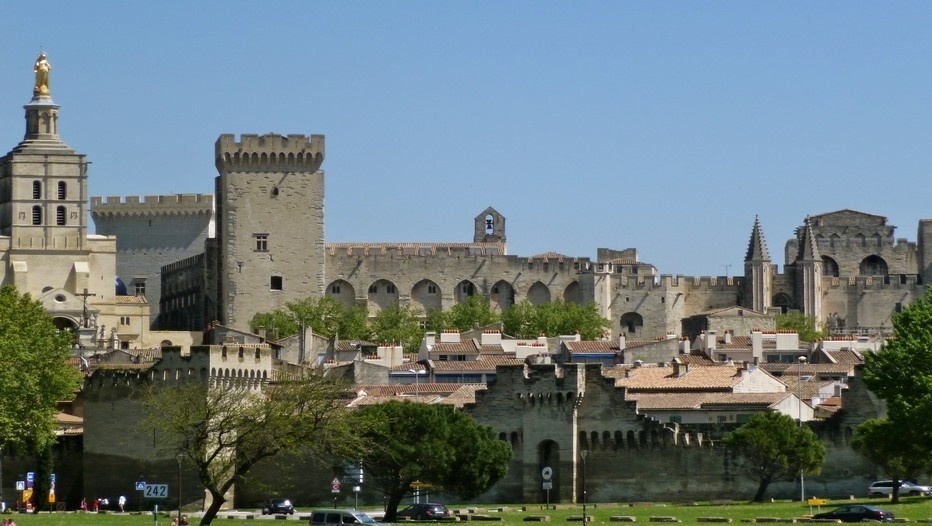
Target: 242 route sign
<point x="156" y="491"/>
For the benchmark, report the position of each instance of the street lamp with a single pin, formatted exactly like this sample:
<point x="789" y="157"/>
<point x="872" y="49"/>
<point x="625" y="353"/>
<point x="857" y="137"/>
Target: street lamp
<point x="583" y="454"/>
<point x="179" y="456"/>
<point x="799" y="420"/>
<point x="417" y="374"/>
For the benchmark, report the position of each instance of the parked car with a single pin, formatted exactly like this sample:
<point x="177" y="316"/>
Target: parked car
<point x="278" y="507"/>
<point x="337" y="517"/>
<point x="857" y="513"/>
<point x="884" y="488"/>
<point x="425" y="511"/>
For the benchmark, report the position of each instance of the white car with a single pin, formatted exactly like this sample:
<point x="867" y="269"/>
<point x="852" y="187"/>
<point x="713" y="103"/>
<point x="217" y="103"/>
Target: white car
<point x="884" y="488"/>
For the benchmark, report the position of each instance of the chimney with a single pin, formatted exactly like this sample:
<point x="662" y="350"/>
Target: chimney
<point x="621" y="341"/>
<point x="728" y="337"/>
<point x="710" y="341"/>
<point x="757" y="345"/>
<point x="684" y="345"/>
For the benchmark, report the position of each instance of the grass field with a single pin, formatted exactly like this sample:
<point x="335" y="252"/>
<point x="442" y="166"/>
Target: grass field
<point x="912" y="508"/>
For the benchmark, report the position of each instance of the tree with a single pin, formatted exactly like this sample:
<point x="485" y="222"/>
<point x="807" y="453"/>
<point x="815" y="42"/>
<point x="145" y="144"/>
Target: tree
<point x="433" y="444"/>
<point x="398" y="324"/>
<point x="525" y="320"/>
<point x="801" y="324"/>
<point x="327" y="317"/>
<point x="898" y="454"/>
<point x="34" y="378"/>
<point x="774" y="447"/>
<point x="223" y="430"/>
<point x="901" y="375"/>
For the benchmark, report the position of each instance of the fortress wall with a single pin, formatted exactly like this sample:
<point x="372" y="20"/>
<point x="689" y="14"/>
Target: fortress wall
<point x="870" y="305"/>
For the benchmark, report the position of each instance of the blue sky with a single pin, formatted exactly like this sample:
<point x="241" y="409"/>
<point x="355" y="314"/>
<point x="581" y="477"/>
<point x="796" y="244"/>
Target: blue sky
<point x="664" y="126"/>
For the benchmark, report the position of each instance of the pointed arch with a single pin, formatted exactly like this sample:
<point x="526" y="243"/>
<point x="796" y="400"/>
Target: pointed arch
<point x="538" y="294"/>
<point x="873" y="265"/>
<point x="829" y="267"/>
<point x="382" y="295"/>
<point x="426" y="295"/>
<point x="631" y="323"/>
<point x="501" y="295"/>
<point x="573" y="293"/>
<point x="343" y="291"/>
<point x="464" y="290"/>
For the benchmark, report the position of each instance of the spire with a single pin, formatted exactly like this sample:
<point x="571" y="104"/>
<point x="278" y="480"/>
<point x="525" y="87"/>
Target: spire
<point x="757" y="246"/>
<point x="808" y="250"/>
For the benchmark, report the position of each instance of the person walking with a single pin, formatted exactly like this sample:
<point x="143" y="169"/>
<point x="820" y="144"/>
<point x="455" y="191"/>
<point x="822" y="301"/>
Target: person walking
<point x="122" y="502"/>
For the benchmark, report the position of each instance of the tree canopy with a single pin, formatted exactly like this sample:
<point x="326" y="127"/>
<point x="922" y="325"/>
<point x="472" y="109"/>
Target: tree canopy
<point x="901" y="375"/>
<point x="774" y="447"/>
<point x="474" y="312"/>
<point x="801" y="324"/>
<point x="34" y="373"/>
<point x="525" y="320"/>
<point x="327" y="317"/>
<point x="434" y="444"/>
<point x="223" y="429"/>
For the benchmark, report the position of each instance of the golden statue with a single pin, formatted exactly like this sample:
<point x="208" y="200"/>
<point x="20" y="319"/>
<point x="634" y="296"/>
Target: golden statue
<point x="42" y="76"/>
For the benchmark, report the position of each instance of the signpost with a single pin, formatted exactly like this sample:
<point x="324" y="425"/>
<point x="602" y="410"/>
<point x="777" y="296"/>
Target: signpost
<point x="547" y="474"/>
<point x="154" y="491"/>
<point x="335" y="489"/>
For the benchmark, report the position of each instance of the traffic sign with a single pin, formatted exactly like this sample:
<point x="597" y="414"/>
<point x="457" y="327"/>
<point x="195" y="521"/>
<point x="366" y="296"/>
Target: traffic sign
<point x="20" y="485"/>
<point x="548" y="485"/>
<point x="141" y="485"/>
<point x="546" y="473"/>
<point x="156" y="491"/>
<point x="335" y="485"/>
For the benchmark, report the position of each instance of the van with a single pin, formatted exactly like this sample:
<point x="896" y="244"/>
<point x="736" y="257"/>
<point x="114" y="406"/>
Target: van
<point x="330" y="517"/>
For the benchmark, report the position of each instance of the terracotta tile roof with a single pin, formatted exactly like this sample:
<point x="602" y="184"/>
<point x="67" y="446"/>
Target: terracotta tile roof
<point x="485" y="363"/>
<point x="660" y="378"/>
<point x="633" y="344"/>
<point x="807" y="388"/>
<point x="414" y="249"/>
<point x="470" y="346"/>
<point x="813" y="369"/>
<point x="350" y="345"/>
<point x="452" y="394"/>
<point x="597" y="346"/>
<point x="846" y="356"/>
<point x="740" y="343"/>
<point x="698" y="401"/>
<point x="696" y="359"/>
<point x="406" y="366"/>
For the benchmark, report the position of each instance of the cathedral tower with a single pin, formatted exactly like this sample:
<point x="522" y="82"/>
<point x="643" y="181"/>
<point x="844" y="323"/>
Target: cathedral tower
<point x="758" y="271"/>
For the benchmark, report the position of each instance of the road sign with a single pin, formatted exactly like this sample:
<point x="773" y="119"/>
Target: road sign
<point x="548" y="485"/>
<point x="546" y="473"/>
<point x="335" y="485"/>
<point x="141" y="485"/>
<point x="20" y="485"/>
<point x="156" y="491"/>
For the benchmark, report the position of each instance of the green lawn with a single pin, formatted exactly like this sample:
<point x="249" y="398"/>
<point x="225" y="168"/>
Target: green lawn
<point x="912" y="508"/>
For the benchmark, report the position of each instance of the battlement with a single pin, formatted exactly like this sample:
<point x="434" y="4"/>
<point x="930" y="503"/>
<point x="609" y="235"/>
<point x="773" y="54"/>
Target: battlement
<point x="269" y="153"/>
<point x="890" y="282"/>
<point x="416" y="249"/>
<point x="150" y="205"/>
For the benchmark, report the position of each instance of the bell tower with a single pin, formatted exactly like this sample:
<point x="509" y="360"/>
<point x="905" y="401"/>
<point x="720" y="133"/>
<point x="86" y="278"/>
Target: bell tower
<point x="489" y="227"/>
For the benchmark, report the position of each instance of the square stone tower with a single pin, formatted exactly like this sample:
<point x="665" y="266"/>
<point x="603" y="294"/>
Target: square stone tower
<point x="269" y="248"/>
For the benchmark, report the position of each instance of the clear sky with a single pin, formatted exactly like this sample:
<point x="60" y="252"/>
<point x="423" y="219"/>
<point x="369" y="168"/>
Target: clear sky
<point x="663" y="126"/>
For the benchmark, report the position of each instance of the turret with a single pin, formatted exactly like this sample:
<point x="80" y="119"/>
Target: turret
<point x="758" y="270"/>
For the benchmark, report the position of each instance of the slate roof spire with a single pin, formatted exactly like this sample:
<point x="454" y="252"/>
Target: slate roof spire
<point x="757" y="246"/>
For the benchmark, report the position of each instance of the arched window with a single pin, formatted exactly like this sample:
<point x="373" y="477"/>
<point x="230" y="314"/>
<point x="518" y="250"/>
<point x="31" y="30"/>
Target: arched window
<point x="829" y="267"/>
<point x="37" y="215"/>
<point x="62" y="189"/>
<point x="60" y="216"/>
<point x="873" y="266"/>
<point x="37" y="190"/>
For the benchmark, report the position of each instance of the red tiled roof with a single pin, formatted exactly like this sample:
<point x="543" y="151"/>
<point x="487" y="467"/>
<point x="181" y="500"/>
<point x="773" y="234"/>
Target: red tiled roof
<point x="597" y="346"/>
<point x="698" y="401"/>
<point x="657" y="378"/>
<point x="485" y="363"/>
<point x="846" y="356"/>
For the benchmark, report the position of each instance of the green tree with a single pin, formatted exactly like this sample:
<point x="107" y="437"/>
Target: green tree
<point x="474" y="312"/>
<point x="222" y="431"/>
<point x="34" y="378"/>
<point x="901" y="375"/>
<point x="803" y="325"/>
<point x="525" y="320"/>
<point x="773" y="447"/>
<point x="433" y="444"/>
<point x="327" y="317"/>
<point x="398" y="324"/>
<point x="892" y="449"/>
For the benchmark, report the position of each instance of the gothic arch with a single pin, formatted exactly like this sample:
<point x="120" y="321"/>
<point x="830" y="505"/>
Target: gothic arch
<point x="464" y="290"/>
<point x="501" y="295"/>
<point x="631" y="323"/>
<point x="538" y="294"/>
<point x="548" y="456"/>
<point x="873" y="265"/>
<point x="783" y="302"/>
<point x="573" y="293"/>
<point x="343" y="291"/>
<point x="382" y="295"/>
<point x="829" y="267"/>
<point x="426" y="295"/>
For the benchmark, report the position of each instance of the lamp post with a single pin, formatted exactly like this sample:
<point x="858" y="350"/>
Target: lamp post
<point x="417" y="374"/>
<point x="799" y="420"/>
<point x="2" y="506"/>
<point x="178" y="457"/>
<point x="583" y="454"/>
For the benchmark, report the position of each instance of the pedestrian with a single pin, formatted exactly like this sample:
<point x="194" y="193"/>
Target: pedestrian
<point x="96" y="504"/>
<point x="184" y="521"/>
<point x="83" y="504"/>
<point x="122" y="503"/>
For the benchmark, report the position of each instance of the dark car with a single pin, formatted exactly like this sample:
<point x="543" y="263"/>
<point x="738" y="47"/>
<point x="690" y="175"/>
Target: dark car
<point x="857" y="513"/>
<point x="278" y="507"/>
<point x="425" y="511"/>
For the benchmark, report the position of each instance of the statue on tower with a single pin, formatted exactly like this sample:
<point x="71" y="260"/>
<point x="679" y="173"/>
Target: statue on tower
<point x="42" y="70"/>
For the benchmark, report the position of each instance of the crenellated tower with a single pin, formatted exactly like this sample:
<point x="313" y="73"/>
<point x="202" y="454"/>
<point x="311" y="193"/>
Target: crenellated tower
<point x="758" y="271"/>
<point x="269" y="247"/>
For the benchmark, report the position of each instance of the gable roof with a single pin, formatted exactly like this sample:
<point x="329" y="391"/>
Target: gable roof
<point x="706" y="401"/>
